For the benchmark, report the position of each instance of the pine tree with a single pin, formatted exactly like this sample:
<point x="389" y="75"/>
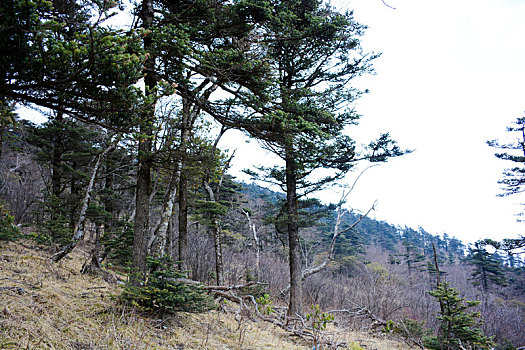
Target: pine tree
<point x="457" y="328"/>
<point x="66" y="148"/>
<point x="410" y="256"/>
<point x="487" y="269"/>
<point x="59" y="55"/>
<point x="513" y="180"/>
<point x="313" y="52"/>
<point x="194" y="49"/>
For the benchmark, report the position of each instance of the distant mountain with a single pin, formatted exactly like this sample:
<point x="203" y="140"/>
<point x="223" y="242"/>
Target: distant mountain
<point x="369" y="231"/>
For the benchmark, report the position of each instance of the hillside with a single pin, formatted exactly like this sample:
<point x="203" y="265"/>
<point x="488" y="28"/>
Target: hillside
<point x="52" y="306"/>
<point x="367" y="232"/>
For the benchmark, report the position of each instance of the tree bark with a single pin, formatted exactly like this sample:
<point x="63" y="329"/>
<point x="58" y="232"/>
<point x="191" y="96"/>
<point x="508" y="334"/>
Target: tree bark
<point x="213" y="196"/>
<point x="216" y="233"/>
<point x="255" y="242"/>
<point x="56" y="160"/>
<point x="295" y="306"/>
<point x="183" y="219"/>
<point x="143" y="186"/>
<point x="158" y="242"/>
<point x="78" y="232"/>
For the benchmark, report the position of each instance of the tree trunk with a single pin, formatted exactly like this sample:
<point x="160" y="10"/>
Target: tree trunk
<point x="108" y="201"/>
<point x="56" y="160"/>
<point x="74" y="194"/>
<point x="143" y="186"/>
<point x="78" y="232"/>
<point x="295" y="306"/>
<point x="213" y="196"/>
<point x="216" y="233"/>
<point x="158" y="242"/>
<point x="255" y="242"/>
<point x="188" y="117"/>
<point x="217" y="238"/>
<point x="183" y="220"/>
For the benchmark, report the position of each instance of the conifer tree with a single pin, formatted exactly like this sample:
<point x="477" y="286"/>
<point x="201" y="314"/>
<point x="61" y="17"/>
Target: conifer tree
<point x="194" y="48"/>
<point x="313" y="52"/>
<point x="487" y="270"/>
<point x="66" y="148"/>
<point x="457" y="328"/>
<point x="513" y="180"/>
<point x="410" y="256"/>
<point x="59" y="55"/>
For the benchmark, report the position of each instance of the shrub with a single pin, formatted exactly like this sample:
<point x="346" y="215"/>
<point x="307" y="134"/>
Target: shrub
<point x="320" y="321"/>
<point x="8" y="231"/>
<point x="56" y="227"/>
<point x="119" y="243"/>
<point x="162" y="292"/>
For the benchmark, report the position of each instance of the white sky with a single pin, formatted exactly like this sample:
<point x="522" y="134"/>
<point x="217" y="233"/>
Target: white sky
<point x="451" y="77"/>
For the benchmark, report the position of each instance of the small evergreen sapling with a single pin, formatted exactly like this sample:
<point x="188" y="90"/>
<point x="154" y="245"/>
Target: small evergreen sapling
<point x="8" y="231"/>
<point x="457" y="327"/>
<point x="163" y="292"/>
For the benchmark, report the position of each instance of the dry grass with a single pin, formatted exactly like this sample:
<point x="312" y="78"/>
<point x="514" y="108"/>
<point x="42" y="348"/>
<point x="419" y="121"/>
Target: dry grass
<point x="52" y="306"/>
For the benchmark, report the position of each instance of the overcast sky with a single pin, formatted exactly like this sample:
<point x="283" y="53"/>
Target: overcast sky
<point x="451" y="76"/>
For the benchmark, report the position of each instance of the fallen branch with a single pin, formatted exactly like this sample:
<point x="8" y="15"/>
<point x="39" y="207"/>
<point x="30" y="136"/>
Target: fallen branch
<point x="19" y="290"/>
<point x="362" y="312"/>
<point x="408" y="336"/>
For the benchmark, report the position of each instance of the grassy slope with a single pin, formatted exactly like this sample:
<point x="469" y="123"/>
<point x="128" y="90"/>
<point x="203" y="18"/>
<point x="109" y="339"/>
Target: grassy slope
<point x="52" y="306"/>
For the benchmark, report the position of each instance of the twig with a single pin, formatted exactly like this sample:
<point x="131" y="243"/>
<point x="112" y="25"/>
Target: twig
<point x="387" y="5"/>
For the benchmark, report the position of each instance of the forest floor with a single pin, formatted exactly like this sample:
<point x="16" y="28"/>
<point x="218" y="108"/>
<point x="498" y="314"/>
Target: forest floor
<point x="45" y="305"/>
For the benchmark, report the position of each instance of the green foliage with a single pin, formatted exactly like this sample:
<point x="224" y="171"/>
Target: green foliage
<point x="513" y="178"/>
<point x="354" y="346"/>
<point x="457" y="327"/>
<point x="161" y="292"/>
<point x="319" y="319"/>
<point x="411" y="330"/>
<point x="56" y="228"/>
<point x="57" y="55"/>
<point x="119" y="243"/>
<point x="487" y="269"/>
<point x="390" y="327"/>
<point x="265" y="305"/>
<point x="8" y="231"/>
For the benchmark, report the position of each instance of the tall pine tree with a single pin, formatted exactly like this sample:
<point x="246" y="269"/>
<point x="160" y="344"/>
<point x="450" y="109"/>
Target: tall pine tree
<point x="313" y="52"/>
<point x="487" y="270"/>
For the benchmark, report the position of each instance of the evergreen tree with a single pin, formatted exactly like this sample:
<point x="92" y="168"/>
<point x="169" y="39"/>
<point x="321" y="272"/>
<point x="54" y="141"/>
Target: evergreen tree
<point x="313" y="52"/>
<point x="8" y="231"/>
<point x="59" y="55"/>
<point x="66" y="148"/>
<point x="193" y="50"/>
<point x="487" y="269"/>
<point x="457" y="328"/>
<point x="513" y="180"/>
<point x="410" y="256"/>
